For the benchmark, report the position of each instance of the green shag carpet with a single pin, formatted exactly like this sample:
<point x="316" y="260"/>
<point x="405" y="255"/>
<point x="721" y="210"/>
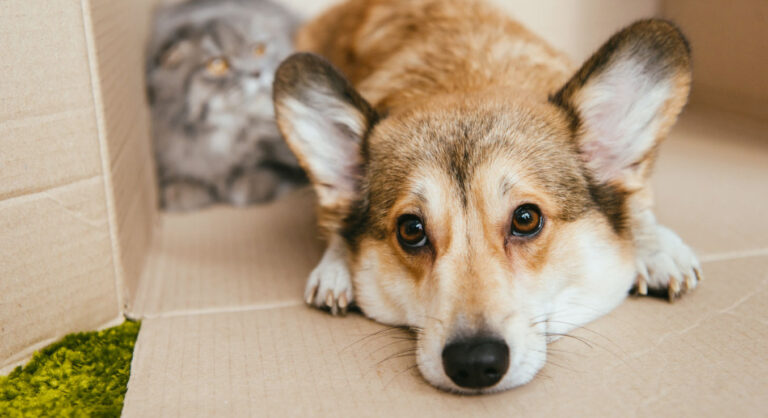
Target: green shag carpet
<point x="84" y="374"/>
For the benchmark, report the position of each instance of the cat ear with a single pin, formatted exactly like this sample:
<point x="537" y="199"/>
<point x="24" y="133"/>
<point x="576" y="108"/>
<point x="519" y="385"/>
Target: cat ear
<point x="626" y="97"/>
<point x="172" y="54"/>
<point x="324" y="120"/>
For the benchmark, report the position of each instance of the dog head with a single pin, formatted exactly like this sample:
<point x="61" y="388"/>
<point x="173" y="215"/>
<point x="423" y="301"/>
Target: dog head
<point x="495" y="221"/>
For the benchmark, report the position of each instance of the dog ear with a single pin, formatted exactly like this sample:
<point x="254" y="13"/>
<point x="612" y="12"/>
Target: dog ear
<point x="626" y="97"/>
<point x="324" y="120"/>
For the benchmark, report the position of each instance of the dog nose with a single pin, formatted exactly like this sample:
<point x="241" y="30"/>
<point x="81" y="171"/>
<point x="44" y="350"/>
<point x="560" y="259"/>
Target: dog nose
<point x="476" y="362"/>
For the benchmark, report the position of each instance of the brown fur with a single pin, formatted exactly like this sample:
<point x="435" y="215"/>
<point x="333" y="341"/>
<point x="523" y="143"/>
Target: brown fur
<point x="373" y="42"/>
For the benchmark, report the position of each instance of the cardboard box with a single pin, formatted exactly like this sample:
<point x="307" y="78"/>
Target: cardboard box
<point x="225" y="331"/>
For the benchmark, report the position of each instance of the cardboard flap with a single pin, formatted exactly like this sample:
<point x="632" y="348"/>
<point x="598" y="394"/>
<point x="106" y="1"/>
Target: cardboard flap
<point x="56" y="271"/>
<point x="56" y="265"/>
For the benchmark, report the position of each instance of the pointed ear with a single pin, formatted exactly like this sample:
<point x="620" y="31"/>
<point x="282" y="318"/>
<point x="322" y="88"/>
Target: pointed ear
<point x="626" y="97"/>
<point x="324" y="120"/>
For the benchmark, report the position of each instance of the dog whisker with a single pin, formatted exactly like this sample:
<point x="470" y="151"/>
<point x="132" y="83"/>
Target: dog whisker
<point x="397" y="355"/>
<point x="407" y="369"/>
<point x="377" y="334"/>
<point x="581" y="339"/>
<point x="553" y="351"/>
<point x="398" y="341"/>
<point x="576" y="326"/>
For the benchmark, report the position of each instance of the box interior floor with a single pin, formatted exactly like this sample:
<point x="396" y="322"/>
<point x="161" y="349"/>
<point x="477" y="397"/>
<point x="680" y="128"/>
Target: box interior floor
<point x="225" y="331"/>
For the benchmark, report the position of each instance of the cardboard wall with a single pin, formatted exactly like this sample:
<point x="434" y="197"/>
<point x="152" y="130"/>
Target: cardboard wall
<point x="56" y="266"/>
<point x="729" y="41"/>
<point x="116" y="42"/>
<point x="77" y="184"/>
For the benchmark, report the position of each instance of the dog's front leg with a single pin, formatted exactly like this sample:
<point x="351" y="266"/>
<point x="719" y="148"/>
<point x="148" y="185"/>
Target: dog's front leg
<point x="324" y="120"/>
<point x="330" y="283"/>
<point x="664" y="262"/>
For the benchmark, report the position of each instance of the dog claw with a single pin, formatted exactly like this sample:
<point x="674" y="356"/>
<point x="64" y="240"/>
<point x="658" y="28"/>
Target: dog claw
<point x="665" y="264"/>
<point x="642" y="286"/>
<point x="311" y="296"/>
<point x="342" y="303"/>
<point x="689" y="283"/>
<point x="329" y="285"/>
<point x="674" y="289"/>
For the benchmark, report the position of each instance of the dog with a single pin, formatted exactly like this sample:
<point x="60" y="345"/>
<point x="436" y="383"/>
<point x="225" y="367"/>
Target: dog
<point x="477" y="187"/>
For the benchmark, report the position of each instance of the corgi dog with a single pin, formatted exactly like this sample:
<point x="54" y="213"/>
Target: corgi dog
<point x="476" y="186"/>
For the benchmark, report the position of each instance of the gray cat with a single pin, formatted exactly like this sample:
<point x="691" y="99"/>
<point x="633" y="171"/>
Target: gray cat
<point x="210" y="69"/>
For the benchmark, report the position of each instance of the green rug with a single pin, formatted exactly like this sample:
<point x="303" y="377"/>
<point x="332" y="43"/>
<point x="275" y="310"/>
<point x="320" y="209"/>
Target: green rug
<point x="84" y="374"/>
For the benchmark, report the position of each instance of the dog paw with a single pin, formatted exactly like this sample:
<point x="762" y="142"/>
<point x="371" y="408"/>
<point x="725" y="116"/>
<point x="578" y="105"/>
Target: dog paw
<point x="665" y="264"/>
<point x="330" y="283"/>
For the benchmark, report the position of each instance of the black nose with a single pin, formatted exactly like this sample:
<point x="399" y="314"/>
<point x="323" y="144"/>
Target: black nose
<point x="476" y="362"/>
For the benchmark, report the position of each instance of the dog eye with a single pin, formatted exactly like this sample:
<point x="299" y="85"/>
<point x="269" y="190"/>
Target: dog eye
<point x="526" y="221"/>
<point x="217" y="67"/>
<point x="410" y="232"/>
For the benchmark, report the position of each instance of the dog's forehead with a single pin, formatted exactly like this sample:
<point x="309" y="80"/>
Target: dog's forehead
<point x="499" y="142"/>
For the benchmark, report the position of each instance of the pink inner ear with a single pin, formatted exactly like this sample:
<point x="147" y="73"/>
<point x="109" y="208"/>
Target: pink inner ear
<point x="603" y="150"/>
<point x="620" y="116"/>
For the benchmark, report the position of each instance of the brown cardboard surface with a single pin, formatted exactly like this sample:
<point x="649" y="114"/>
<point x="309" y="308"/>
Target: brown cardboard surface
<point x="47" y="124"/>
<point x="229" y="258"/>
<point x="56" y="271"/>
<point x="701" y="356"/>
<point x="116" y="40"/>
<point x="710" y="183"/>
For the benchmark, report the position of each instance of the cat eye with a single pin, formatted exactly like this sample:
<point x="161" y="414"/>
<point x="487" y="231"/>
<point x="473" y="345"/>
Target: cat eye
<point x="259" y="49"/>
<point x="217" y="67"/>
<point x="410" y="232"/>
<point x="527" y="220"/>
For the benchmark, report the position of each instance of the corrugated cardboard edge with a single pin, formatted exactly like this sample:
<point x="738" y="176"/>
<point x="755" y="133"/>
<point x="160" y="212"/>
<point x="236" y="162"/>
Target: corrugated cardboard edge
<point x="98" y="104"/>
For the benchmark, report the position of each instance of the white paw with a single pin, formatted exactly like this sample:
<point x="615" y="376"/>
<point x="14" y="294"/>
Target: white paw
<point x="666" y="263"/>
<point x="330" y="283"/>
